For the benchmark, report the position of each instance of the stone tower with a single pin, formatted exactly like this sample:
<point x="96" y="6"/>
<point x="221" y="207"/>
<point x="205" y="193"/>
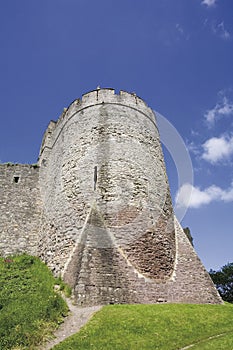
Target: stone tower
<point x="108" y="222"/>
<point x="106" y="218"/>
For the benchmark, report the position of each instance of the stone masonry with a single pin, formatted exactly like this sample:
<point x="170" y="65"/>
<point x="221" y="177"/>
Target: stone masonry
<point x="97" y="207"/>
<point x="20" y="208"/>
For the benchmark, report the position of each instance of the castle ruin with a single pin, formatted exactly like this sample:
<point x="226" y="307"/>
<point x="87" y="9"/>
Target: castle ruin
<point x="97" y="207"/>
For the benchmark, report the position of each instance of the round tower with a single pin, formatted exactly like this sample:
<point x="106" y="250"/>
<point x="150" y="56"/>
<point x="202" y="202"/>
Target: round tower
<point x="108" y="223"/>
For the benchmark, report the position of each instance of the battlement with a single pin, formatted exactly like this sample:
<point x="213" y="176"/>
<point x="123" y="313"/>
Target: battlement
<point x="107" y="95"/>
<point x="99" y="96"/>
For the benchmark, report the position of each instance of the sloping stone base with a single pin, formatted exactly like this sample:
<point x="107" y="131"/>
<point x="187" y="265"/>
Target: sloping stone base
<point x="100" y="272"/>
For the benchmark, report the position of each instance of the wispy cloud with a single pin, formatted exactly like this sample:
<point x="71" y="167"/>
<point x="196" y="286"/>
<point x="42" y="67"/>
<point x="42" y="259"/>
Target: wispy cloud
<point x="217" y="149"/>
<point x="181" y="32"/>
<point x="179" y="28"/>
<point x="193" y="148"/>
<point x="209" y="3"/>
<point x="221" y="109"/>
<point x="220" y="30"/>
<point x="194" y="197"/>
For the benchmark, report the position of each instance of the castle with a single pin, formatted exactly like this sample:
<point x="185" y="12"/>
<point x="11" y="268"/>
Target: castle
<point x="97" y="207"/>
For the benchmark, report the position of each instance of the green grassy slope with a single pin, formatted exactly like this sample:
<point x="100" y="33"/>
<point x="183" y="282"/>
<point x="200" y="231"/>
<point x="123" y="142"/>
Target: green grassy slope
<point x="29" y="307"/>
<point x="165" y="326"/>
<point x="30" y="310"/>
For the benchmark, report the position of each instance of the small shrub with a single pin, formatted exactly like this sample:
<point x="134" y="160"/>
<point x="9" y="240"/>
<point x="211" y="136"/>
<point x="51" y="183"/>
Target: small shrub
<point x="67" y="290"/>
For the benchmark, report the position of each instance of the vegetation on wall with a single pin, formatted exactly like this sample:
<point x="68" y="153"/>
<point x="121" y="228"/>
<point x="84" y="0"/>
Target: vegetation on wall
<point x="188" y="234"/>
<point x="30" y="309"/>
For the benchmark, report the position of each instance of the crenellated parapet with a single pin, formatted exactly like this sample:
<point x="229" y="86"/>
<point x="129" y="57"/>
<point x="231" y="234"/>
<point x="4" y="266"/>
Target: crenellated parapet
<point x="95" y="97"/>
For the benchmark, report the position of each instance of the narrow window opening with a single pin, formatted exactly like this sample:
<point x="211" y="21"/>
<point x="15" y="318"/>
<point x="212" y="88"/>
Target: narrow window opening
<point x="16" y="179"/>
<point x="95" y="177"/>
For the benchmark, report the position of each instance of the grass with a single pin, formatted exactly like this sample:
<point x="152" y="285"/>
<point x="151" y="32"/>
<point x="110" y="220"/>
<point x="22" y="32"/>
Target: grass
<point x="163" y="327"/>
<point x="224" y="342"/>
<point x="29" y="308"/>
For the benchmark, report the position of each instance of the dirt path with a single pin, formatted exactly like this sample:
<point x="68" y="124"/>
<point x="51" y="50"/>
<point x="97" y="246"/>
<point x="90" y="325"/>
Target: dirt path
<point x="77" y="318"/>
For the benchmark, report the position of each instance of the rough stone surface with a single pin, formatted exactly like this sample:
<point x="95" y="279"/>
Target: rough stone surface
<point x="20" y="208"/>
<point x="103" y="217"/>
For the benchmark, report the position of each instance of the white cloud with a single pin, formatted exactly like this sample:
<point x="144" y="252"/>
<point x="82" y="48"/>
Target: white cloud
<point x="217" y="149"/>
<point x="221" y="109"/>
<point x="194" y="197"/>
<point x="209" y="2"/>
<point x="220" y="30"/>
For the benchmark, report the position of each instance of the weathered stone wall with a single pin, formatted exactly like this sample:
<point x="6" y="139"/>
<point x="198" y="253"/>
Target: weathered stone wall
<point x="104" y="275"/>
<point x="20" y="208"/>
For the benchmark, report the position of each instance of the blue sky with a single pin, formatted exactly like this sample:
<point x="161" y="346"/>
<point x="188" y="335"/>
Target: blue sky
<point x="176" y="55"/>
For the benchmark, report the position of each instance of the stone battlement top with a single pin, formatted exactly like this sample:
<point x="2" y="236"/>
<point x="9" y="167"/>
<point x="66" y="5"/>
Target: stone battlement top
<point x="107" y="95"/>
<point x="92" y="98"/>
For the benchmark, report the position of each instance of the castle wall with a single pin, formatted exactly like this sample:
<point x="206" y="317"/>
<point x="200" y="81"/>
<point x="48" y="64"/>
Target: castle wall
<point x="97" y="208"/>
<point x="190" y="281"/>
<point x="19" y="208"/>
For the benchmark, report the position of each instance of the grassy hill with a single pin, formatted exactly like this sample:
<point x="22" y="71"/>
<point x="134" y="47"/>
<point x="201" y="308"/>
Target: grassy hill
<point x="165" y="326"/>
<point x="30" y="310"/>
